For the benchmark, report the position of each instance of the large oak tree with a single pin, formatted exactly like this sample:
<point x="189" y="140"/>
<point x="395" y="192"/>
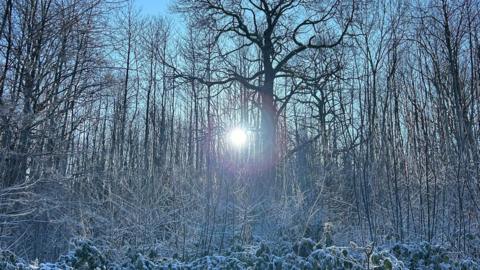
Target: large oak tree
<point x="277" y="32"/>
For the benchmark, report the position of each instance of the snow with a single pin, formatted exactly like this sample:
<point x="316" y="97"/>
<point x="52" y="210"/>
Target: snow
<point x="305" y="254"/>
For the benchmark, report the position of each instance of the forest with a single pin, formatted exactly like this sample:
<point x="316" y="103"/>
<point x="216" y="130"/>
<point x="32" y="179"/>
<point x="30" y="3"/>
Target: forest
<point x="240" y="134"/>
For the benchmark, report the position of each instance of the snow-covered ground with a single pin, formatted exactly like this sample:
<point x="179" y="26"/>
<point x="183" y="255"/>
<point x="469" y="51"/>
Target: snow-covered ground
<point x="305" y="254"/>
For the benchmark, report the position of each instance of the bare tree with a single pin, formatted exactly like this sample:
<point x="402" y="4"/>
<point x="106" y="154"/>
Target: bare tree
<point x="273" y="31"/>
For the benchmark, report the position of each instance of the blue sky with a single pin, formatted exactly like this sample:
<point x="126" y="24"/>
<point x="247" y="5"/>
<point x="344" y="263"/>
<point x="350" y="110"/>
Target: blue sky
<point x="154" y="7"/>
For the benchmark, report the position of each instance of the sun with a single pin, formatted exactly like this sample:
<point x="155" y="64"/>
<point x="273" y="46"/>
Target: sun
<point x="237" y="137"/>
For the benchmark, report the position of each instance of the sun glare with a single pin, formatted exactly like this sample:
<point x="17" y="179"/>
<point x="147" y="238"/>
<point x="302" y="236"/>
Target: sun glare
<point x="237" y="137"/>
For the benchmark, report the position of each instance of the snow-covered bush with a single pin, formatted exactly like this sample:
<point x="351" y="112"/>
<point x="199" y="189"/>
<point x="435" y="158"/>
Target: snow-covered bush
<point x="427" y="256"/>
<point x="305" y="254"/>
<point x="9" y="261"/>
<point x="84" y="256"/>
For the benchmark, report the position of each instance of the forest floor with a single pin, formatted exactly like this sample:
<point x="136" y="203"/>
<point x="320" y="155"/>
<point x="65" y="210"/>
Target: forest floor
<point x="304" y="254"/>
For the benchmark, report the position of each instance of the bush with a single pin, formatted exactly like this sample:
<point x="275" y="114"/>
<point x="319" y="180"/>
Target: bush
<point x="304" y="254"/>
